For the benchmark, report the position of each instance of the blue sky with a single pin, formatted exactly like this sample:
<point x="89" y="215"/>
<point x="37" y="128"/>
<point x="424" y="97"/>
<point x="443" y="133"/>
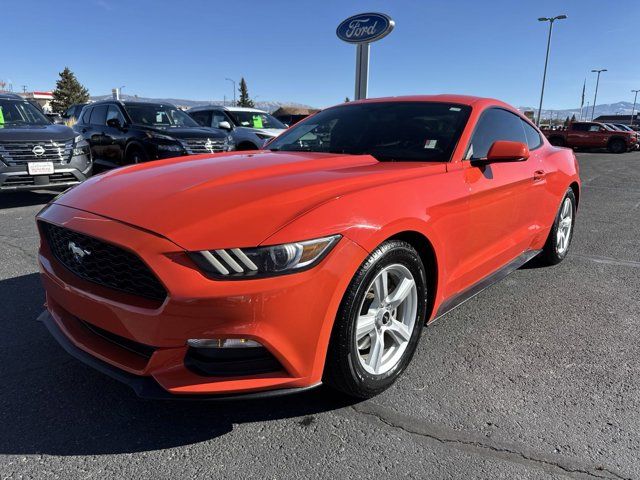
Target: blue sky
<point x="288" y="51"/>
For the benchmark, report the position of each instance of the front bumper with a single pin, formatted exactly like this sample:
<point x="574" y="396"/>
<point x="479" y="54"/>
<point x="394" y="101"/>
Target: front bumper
<point x="291" y="316"/>
<point x="13" y="178"/>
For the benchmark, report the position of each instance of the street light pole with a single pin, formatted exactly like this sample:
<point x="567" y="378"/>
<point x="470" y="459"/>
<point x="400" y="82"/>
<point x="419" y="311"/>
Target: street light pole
<point x="546" y="59"/>
<point x="633" y="111"/>
<point x="595" y="96"/>
<point x="234" y="89"/>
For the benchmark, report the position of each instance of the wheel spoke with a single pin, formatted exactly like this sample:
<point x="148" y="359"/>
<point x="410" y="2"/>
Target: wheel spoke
<point x="377" y="349"/>
<point x="366" y="324"/>
<point x="401" y="292"/>
<point x="381" y="288"/>
<point x="399" y="332"/>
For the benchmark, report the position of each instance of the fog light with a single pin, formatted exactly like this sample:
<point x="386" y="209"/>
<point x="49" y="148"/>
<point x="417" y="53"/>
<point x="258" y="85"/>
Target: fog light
<point x="222" y="343"/>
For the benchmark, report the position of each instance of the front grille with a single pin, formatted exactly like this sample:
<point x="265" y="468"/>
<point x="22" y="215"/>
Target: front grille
<point x="19" y="153"/>
<point x="195" y="146"/>
<point x="102" y="263"/>
<point x="44" y="180"/>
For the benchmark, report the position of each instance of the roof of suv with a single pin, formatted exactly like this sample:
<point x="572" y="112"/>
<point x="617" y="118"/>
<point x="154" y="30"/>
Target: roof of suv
<point x="229" y="109"/>
<point x="10" y="96"/>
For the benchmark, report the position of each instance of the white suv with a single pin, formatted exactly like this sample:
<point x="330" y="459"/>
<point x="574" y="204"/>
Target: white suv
<point x="250" y="128"/>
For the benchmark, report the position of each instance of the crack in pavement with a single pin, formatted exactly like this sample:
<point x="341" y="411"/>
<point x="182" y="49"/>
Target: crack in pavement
<point x="478" y="444"/>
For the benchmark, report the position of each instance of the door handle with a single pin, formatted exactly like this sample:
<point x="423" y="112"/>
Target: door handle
<point x="538" y="175"/>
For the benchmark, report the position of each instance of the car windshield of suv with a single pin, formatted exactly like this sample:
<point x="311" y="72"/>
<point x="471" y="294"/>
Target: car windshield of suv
<point x="17" y="112"/>
<point x="255" y="120"/>
<point x="153" y="115"/>
<point x="389" y="131"/>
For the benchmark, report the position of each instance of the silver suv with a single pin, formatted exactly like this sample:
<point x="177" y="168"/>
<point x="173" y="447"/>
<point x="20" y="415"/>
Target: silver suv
<point x="250" y="128"/>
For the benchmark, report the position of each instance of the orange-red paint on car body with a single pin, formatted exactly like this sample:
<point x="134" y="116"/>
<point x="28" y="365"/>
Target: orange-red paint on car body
<point x="474" y="218"/>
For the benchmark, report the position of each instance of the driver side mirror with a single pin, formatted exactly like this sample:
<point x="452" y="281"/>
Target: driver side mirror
<point x="114" y="123"/>
<point x="224" y="125"/>
<point x="507" y="151"/>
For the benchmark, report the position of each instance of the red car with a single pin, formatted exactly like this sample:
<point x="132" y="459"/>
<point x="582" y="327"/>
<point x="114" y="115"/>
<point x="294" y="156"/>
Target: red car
<point x="317" y="260"/>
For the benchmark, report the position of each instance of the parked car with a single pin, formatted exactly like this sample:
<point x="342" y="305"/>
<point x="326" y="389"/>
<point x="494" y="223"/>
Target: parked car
<point x="121" y="133"/>
<point x="277" y="271"/>
<point x="54" y="118"/>
<point x="622" y="126"/>
<point x="34" y="153"/>
<point x="593" y="135"/>
<point x="250" y="128"/>
<point x="73" y="112"/>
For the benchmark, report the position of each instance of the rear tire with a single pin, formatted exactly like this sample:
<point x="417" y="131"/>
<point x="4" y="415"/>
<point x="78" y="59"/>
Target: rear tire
<point x="374" y="337"/>
<point x="557" y="246"/>
<point x="617" y="146"/>
<point x="136" y="155"/>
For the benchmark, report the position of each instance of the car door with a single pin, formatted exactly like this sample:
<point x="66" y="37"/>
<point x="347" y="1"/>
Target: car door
<point x="83" y="126"/>
<point x="501" y="203"/>
<point x="599" y="136"/>
<point x="95" y="131"/>
<point x="114" y="139"/>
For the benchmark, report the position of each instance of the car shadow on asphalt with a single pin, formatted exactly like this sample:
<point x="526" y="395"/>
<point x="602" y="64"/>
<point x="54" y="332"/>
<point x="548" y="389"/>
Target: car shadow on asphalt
<point x="52" y="404"/>
<point x="26" y="199"/>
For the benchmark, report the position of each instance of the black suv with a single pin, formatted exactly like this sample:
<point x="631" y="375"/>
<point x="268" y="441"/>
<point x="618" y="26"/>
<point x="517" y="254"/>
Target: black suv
<point x="122" y="133"/>
<point x="34" y="153"/>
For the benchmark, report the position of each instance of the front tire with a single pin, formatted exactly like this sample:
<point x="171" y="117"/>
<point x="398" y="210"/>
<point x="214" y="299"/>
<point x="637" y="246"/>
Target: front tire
<point x="557" y="246"/>
<point x="136" y="155"/>
<point x="379" y="322"/>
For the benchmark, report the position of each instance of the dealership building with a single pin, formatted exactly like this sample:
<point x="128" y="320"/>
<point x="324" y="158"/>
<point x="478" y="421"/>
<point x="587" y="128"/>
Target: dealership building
<point x="42" y="98"/>
<point x="625" y="119"/>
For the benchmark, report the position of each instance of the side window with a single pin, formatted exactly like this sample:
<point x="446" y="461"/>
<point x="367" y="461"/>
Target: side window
<point x="98" y="115"/>
<point x="495" y="124"/>
<point x="533" y="137"/>
<point x="114" y="112"/>
<point x="218" y="117"/>
<point x="86" y="114"/>
<point x="596" y="128"/>
<point x="202" y="117"/>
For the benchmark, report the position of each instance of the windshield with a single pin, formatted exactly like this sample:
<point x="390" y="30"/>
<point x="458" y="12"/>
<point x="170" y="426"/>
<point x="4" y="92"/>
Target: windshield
<point x="389" y="131"/>
<point x="255" y="120"/>
<point x="154" y="115"/>
<point x="19" y="112"/>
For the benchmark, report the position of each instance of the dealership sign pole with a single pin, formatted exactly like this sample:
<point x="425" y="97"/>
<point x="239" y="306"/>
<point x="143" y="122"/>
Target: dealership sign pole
<point x="362" y="29"/>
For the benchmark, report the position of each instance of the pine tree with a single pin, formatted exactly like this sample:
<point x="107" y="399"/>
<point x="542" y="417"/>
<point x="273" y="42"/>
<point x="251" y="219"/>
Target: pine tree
<point x="573" y="118"/>
<point x="245" y="100"/>
<point x="346" y="100"/>
<point x="68" y="91"/>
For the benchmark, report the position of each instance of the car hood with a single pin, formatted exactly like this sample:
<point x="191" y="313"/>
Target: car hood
<point x="185" y="132"/>
<point x="228" y="200"/>
<point x="36" y="133"/>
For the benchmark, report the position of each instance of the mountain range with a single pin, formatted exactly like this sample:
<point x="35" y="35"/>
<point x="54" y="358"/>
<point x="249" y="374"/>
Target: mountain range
<point x="618" y="108"/>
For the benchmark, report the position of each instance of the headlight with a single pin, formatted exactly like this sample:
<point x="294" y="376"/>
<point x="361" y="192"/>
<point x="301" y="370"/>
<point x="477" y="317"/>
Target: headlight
<point x="228" y="144"/>
<point x="264" y="261"/>
<point x="170" y="147"/>
<point x="80" y="146"/>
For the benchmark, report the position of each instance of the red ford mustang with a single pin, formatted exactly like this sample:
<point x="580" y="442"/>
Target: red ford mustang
<point x="316" y="260"/>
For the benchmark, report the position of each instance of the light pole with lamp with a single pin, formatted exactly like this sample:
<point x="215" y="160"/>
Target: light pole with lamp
<point x="546" y="60"/>
<point x="633" y="110"/>
<point x="595" y="96"/>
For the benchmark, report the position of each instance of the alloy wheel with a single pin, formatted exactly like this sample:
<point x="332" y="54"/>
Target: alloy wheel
<point x="565" y="224"/>
<point x="386" y="320"/>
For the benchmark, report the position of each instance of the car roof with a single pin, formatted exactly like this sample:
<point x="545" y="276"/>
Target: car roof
<point x="229" y="109"/>
<point x="128" y="102"/>
<point x="10" y="96"/>
<point x="443" y="98"/>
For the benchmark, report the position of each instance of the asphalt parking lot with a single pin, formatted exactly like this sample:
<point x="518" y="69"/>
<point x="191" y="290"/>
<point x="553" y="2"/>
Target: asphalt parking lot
<point x="536" y="377"/>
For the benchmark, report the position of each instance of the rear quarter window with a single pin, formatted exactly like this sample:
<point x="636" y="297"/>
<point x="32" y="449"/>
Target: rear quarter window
<point x="534" y="139"/>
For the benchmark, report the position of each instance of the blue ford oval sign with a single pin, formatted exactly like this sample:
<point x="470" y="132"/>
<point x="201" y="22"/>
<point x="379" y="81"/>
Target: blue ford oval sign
<point x="365" y="28"/>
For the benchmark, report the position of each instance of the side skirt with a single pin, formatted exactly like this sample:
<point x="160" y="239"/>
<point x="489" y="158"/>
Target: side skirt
<point x="470" y="292"/>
